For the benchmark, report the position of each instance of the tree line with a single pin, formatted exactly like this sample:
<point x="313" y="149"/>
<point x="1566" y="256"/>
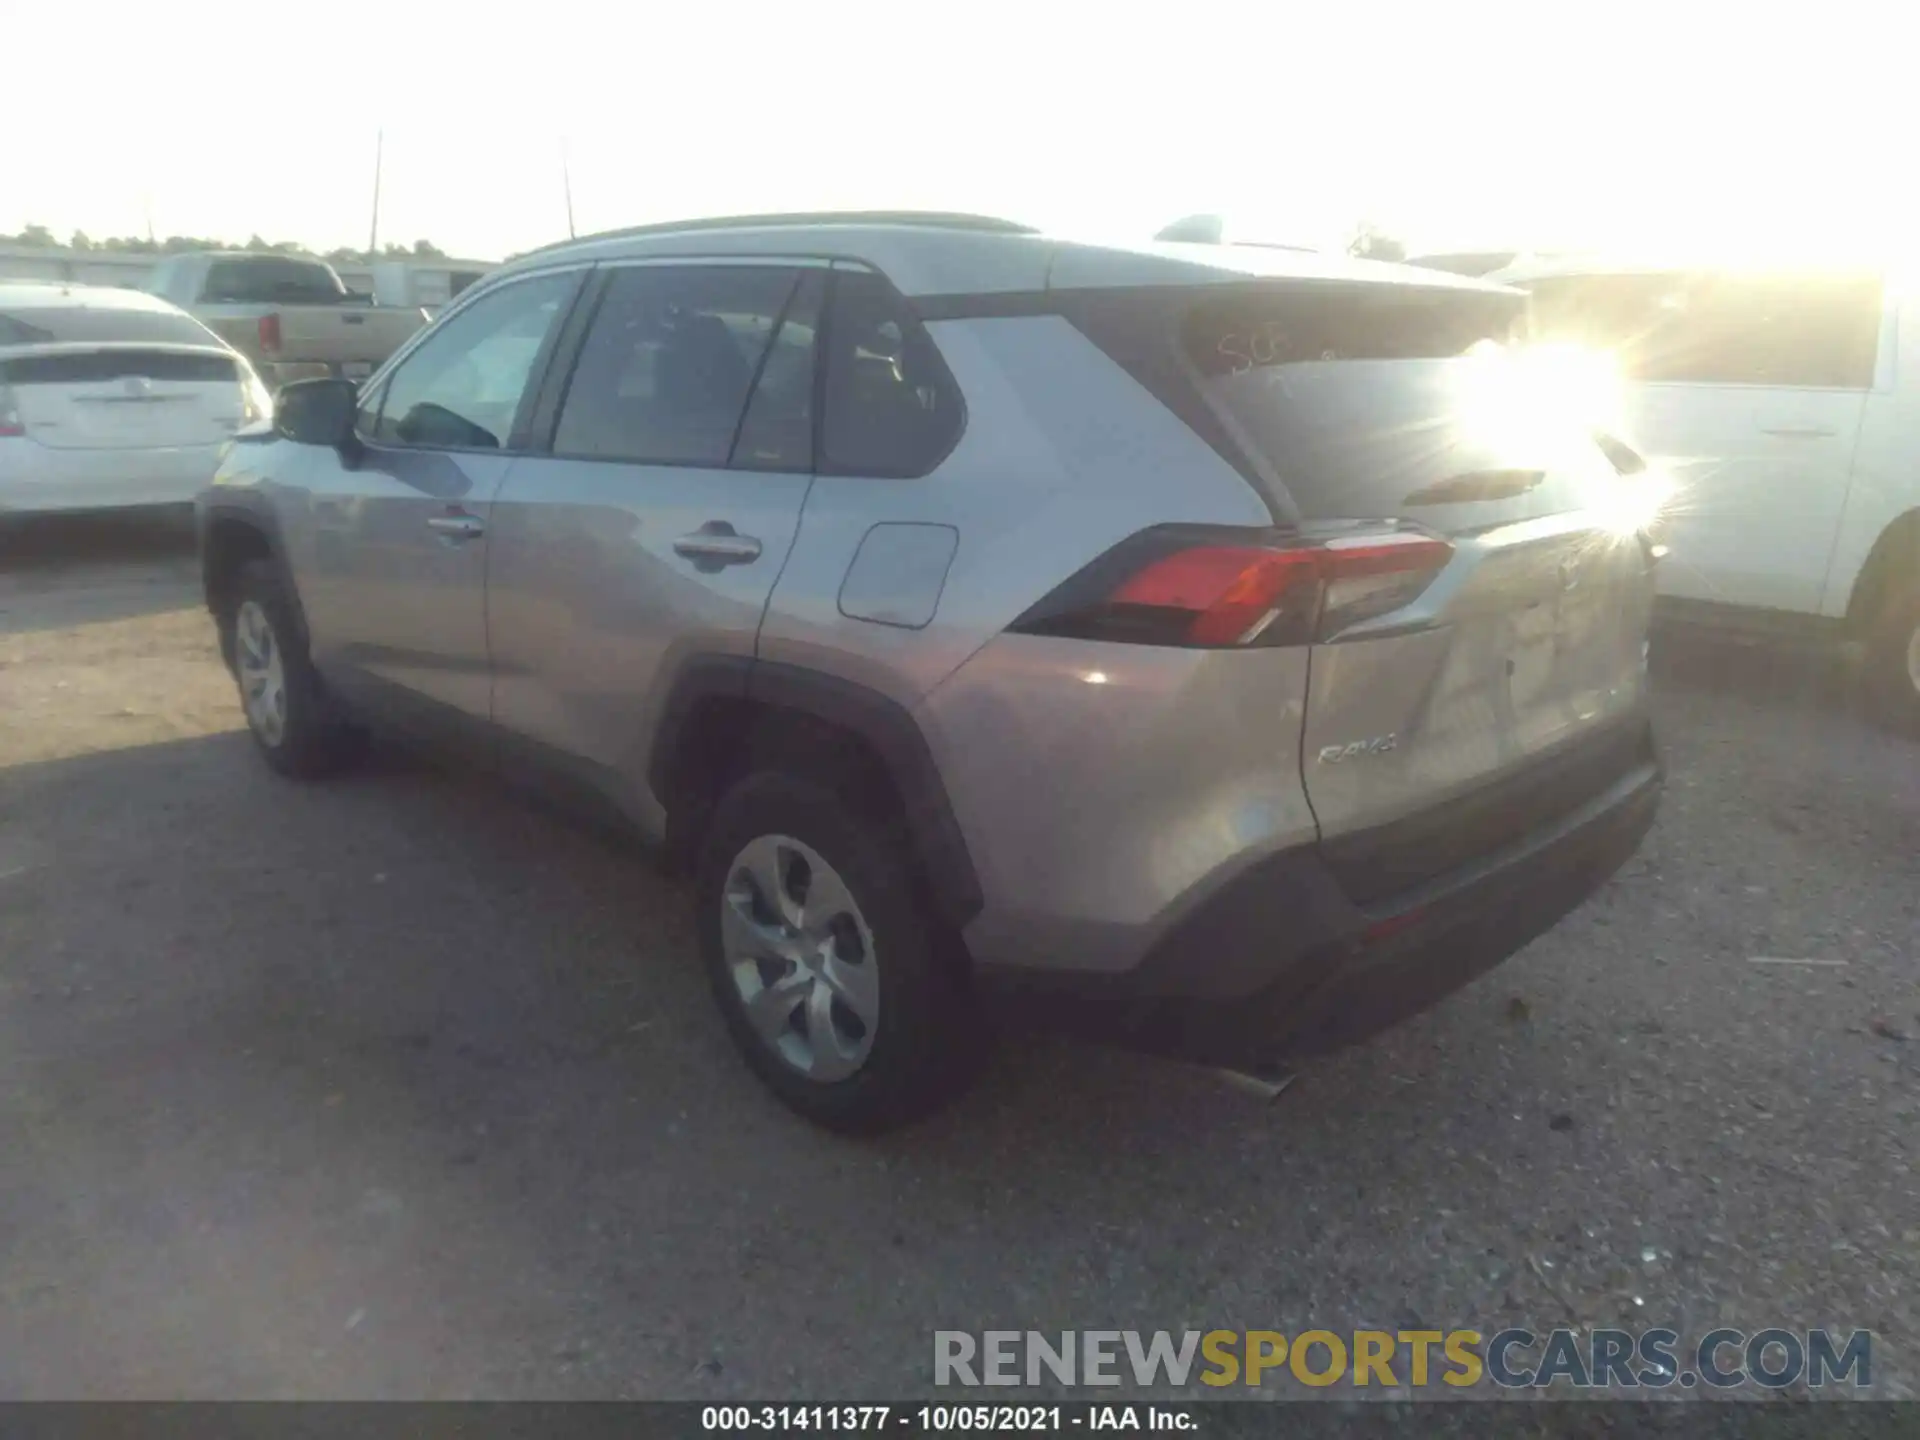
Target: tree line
<point x="39" y="237"/>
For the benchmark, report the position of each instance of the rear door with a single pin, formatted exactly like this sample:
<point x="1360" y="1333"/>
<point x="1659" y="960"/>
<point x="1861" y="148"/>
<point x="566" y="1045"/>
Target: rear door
<point x="121" y="396"/>
<point x="1501" y="682"/>
<point x="681" y="454"/>
<point x="116" y="376"/>
<point x="1749" y="391"/>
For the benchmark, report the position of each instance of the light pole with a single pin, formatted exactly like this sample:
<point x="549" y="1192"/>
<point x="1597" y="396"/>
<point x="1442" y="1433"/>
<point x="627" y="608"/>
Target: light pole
<point x="373" y="235"/>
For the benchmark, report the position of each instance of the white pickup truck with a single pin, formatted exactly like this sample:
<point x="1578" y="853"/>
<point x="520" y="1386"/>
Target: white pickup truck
<point x="291" y="315"/>
<point x="1784" y="407"/>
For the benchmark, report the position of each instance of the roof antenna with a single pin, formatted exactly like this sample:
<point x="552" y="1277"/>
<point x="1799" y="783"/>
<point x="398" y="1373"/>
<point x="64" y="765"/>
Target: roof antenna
<point x="566" y="184"/>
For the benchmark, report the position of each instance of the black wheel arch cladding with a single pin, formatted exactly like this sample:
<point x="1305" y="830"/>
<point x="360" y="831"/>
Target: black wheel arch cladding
<point x="887" y="728"/>
<point x="218" y="572"/>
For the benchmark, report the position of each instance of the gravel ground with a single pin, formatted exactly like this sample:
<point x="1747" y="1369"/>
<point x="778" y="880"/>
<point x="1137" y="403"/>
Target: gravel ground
<point x="395" y="1087"/>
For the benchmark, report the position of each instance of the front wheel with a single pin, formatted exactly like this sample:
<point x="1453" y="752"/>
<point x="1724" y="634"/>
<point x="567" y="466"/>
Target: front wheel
<point x="288" y="713"/>
<point x="1893" y="658"/>
<point x="826" y="962"/>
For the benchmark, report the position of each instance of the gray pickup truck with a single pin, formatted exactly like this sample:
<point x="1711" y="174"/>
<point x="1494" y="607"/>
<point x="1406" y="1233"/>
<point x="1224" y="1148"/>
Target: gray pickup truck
<point x="291" y="315"/>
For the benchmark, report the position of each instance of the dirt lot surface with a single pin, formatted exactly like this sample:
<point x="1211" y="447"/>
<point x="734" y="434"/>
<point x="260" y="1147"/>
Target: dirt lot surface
<point x="395" y="1087"/>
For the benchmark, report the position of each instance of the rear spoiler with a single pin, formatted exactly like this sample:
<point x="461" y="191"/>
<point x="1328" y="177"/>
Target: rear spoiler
<point x="95" y="347"/>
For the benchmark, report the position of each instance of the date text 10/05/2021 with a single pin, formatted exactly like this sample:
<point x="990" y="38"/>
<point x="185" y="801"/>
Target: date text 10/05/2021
<point x="921" y="1419"/>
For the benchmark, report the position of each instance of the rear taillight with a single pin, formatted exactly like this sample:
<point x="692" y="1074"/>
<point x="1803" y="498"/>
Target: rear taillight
<point x="1213" y="589"/>
<point x="1217" y="594"/>
<point x="270" y="332"/>
<point x="10" y="423"/>
<point x="1366" y="576"/>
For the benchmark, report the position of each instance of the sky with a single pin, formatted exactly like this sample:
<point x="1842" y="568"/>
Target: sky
<point x="1455" y="125"/>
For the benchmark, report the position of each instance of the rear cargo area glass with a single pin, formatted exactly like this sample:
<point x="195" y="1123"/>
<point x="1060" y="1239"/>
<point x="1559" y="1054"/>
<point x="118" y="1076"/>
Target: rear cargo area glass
<point x="1376" y="402"/>
<point x="86" y="325"/>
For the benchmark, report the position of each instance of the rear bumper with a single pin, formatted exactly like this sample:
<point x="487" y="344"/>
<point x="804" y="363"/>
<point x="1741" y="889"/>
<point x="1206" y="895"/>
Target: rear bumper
<point x="42" y="479"/>
<point x="1280" y="963"/>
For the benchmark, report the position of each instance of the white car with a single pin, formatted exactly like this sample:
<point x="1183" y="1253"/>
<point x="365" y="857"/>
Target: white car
<point x="112" y="398"/>
<point x="1785" y="408"/>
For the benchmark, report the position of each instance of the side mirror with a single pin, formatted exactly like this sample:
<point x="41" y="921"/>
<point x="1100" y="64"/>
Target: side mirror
<point x="318" y="412"/>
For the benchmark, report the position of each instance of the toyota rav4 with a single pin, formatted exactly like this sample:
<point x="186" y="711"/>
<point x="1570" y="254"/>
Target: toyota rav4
<point x="1224" y="650"/>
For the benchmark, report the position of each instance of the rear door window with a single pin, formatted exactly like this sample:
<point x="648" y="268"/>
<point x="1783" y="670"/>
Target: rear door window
<point x="891" y="408"/>
<point x="777" y="433"/>
<point x="1790" y="331"/>
<point x="669" y="361"/>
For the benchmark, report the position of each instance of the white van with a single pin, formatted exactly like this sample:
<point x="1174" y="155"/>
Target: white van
<point x="1786" y="408"/>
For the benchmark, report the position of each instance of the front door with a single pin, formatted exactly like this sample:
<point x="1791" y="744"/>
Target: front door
<point x="656" y="526"/>
<point x="397" y="534"/>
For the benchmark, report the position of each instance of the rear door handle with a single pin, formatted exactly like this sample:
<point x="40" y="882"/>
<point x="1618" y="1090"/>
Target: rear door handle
<point x="457" y="527"/>
<point x="1794" y="432"/>
<point x="715" y="544"/>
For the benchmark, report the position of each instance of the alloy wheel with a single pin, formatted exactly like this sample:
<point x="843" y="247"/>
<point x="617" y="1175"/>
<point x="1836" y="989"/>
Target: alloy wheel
<point x="263" y="676"/>
<point x="801" y="957"/>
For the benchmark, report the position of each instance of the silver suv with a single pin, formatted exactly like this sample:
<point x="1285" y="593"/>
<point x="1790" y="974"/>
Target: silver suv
<point x="1225" y="651"/>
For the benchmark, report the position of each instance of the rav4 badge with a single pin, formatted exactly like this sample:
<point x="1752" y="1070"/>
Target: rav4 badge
<point x="1378" y="745"/>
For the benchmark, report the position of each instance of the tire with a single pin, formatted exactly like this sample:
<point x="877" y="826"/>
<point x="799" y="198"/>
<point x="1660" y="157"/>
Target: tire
<point x="1893" y="657"/>
<point x="865" y="1021"/>
<point x="302" y="736"/>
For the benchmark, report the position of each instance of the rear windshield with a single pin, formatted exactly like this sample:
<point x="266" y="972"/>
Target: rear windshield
<point x="77" y="324"/>
<point x="1363" y="400"/>
<point x="270" y="279"/>
<point x="88" y="366"/>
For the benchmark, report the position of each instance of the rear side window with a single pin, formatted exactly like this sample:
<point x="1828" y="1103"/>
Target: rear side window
<point x="271" y="279"/>
<point x="1806" y="331"/>
<point x="62" y="325"/>
<point x="461" y="388"/>
<point x="892" y="408"/>
<point x="669" y="361"/>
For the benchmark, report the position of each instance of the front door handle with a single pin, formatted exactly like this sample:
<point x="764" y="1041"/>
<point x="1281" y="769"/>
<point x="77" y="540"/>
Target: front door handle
<point x="1791" y="432"/>
<point x="716" y="543"/>
<point x="457" y="527"/>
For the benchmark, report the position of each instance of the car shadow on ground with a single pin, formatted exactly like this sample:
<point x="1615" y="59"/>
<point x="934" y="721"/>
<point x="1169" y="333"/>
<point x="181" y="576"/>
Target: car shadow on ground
<point x="401" y="1042"/>
<point x="1767" y="670"/>
<point x="33" y="542"/>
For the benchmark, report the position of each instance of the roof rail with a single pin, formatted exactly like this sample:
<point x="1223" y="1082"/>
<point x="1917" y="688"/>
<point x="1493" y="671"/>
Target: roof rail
<point x="930" y="219"/>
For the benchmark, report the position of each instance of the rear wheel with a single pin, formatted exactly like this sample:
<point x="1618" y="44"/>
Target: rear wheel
<point x="1893" y="657"/>
<point x="288" y="714"/>
<point x="825" y="960"/>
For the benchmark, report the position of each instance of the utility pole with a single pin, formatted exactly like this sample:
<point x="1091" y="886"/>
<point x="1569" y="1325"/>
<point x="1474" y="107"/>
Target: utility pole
<point x="373" y="235"/>
<point x="566" y="185"/>
<point x="146" y="204"/>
